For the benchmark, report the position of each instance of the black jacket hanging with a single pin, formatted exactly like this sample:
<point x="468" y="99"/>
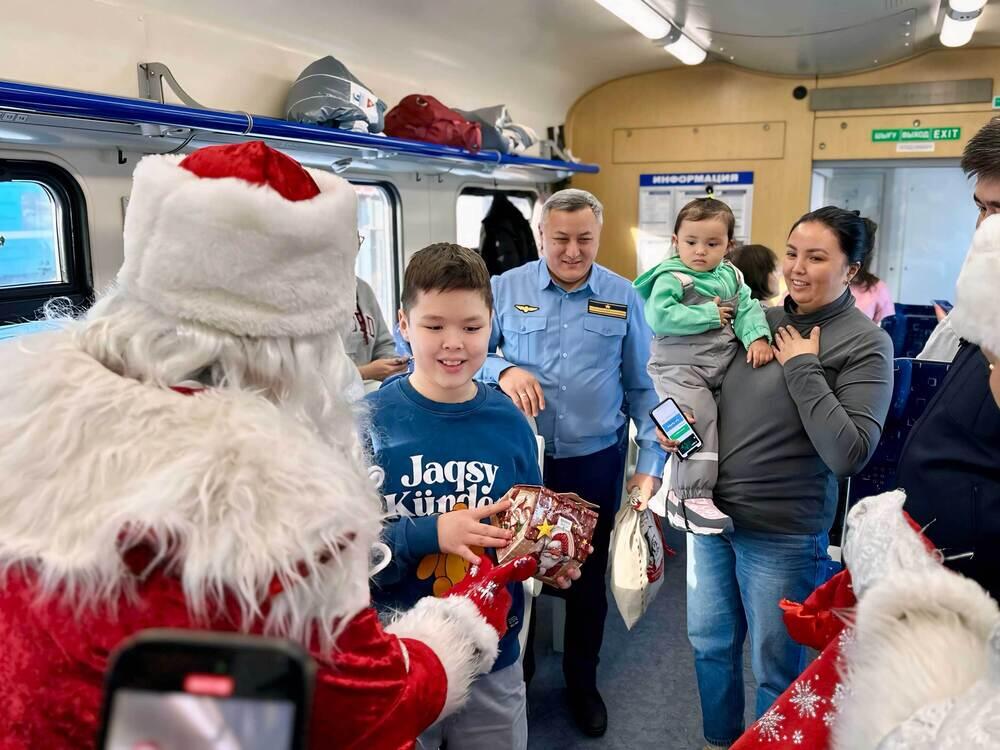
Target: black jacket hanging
<point x="506" y="241"/>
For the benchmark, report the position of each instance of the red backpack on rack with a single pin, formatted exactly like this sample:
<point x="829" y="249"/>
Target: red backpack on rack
<point x="420" y="117"/>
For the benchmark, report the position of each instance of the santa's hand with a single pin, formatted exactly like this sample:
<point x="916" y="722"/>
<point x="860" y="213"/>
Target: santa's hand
<point x="486" y="587"/>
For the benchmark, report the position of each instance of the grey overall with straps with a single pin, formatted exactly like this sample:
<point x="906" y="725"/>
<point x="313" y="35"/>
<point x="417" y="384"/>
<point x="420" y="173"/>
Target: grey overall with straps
<point x="690" y="369"/>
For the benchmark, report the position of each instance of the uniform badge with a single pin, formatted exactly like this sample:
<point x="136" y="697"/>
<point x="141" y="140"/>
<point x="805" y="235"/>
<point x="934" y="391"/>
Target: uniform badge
<point x="526" y="308"/>
<point x="607" y="309"/>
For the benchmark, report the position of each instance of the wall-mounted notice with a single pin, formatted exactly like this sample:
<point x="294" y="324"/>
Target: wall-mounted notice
<point x="662" y="196"/>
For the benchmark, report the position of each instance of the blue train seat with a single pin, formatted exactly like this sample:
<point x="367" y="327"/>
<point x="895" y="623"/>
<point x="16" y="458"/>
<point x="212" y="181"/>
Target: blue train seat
<point x="904" y="309"/>
<point x="909" y="331"/>
<point x="915" y="383"/>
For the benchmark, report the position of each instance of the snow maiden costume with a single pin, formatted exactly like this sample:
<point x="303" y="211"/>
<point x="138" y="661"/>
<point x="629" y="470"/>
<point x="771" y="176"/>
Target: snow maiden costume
<point x="183" y="457"/>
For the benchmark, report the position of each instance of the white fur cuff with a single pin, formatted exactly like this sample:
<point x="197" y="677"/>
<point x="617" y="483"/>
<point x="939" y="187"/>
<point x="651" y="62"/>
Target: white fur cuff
<point x="458" y="635"/>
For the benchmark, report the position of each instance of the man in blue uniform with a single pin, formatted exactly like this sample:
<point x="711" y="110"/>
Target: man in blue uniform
<point x="575" y="347"/>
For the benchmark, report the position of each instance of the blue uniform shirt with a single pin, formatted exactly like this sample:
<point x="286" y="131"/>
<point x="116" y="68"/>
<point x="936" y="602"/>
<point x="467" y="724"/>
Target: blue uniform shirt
<point x="588" y="348"/>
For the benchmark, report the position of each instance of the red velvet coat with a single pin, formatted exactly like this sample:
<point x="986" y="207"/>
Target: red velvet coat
<point x="368" y="694"/>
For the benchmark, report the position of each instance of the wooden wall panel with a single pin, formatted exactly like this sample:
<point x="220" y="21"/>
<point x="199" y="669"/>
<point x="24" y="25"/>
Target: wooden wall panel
<point x="723" y="97"/>
<point x="851" y="137"/>
<point x="658" y="106"/>
<point x="750" y="140"/>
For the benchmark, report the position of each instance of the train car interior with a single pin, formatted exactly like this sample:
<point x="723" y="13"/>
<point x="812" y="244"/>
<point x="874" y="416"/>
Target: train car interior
<point x="776" y="108"/>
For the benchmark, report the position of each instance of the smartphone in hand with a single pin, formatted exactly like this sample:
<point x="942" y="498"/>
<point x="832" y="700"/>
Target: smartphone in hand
<point x="943" y="304"/>
<point x="668" y="417"/>
<point x="201" y="690"/>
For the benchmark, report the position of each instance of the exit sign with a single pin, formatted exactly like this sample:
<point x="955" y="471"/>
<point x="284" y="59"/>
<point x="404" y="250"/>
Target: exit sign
<point x="996" y="102"/>
<point x="886" y="135"/>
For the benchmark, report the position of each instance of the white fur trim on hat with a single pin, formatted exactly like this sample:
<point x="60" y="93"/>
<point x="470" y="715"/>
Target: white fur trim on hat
<point x="240" y="257"/>
<point x="975" y="317"/>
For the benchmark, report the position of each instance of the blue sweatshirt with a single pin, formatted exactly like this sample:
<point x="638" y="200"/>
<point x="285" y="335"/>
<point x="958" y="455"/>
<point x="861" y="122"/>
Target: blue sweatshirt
<point x="439" y="457"/>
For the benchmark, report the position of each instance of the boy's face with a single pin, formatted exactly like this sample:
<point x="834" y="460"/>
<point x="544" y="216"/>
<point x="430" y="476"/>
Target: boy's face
<point x="703" y="244"/>
<point x="449" y="333"/>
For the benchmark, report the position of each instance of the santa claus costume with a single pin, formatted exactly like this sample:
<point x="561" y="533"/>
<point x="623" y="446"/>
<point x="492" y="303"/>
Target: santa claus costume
<point x="183" y="457"/>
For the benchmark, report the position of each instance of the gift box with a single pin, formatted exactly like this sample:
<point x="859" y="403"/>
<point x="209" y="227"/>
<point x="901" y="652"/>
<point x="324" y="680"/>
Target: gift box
<point x="553" y="527"/>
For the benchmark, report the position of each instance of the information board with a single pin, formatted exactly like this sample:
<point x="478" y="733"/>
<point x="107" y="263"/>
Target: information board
<point x="662" y="196"/>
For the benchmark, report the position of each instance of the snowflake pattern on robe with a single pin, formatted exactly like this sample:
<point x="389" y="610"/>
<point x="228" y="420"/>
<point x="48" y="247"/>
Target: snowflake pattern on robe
<point x="769" y="725"/>
<point x="797" y="737"/>
<point x="805" y="699"/>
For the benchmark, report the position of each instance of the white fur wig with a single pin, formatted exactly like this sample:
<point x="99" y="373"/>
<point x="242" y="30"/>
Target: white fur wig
<point x="920" y="631"/>
<point x="975" y="317"/>
<point x="239" y="256"/>
<point x="242" y="490"/>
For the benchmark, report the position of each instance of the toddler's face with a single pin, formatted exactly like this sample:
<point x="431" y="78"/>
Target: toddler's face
<point x="702" y="245"/>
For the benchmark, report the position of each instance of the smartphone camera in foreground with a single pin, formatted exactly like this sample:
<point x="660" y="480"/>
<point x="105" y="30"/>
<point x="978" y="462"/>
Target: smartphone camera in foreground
<point x="189" y="690"/>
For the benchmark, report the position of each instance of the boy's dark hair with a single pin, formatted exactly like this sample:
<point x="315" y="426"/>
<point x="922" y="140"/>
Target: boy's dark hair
<point x="981" y="155"/>
<point x="757" y="263"/>
<point x="442" y="267"/>
<point x="707" y="208"/>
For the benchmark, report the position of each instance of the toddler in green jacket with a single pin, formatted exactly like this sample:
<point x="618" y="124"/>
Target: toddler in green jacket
<point x="700" y="311"/>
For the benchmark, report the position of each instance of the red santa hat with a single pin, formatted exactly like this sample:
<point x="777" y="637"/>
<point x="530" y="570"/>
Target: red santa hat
<point x="244" y="239"/>
<point x="976" y="317"/>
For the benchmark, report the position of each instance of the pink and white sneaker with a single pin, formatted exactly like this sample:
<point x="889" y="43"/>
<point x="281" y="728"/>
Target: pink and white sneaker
<point x="699" y="515"/>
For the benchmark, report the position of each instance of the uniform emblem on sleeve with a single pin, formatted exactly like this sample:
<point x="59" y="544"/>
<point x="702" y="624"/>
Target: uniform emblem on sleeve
<point x="526" y="308"/>
<point x="607" y="309"/>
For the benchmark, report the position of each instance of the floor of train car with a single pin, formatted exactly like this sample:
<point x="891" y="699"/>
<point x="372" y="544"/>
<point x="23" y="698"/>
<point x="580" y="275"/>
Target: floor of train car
<point x="646" y="677"/>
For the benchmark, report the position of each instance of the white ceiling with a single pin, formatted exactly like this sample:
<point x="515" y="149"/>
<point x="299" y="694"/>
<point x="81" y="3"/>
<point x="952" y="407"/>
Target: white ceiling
<point x="539" y="56"/>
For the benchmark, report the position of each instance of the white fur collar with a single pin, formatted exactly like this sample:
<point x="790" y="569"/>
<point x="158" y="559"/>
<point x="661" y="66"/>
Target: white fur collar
<point x="244" y="491"/>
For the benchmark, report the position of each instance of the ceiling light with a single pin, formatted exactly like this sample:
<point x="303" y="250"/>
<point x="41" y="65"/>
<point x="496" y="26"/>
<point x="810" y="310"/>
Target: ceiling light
<point x="683" y="48"/>
<point x="959" y="26"/>
<point x="966" y="6"/>
<point x="639" y="16"/>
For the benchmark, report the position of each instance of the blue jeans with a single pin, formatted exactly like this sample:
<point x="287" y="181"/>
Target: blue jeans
<point x="734" y="583"/>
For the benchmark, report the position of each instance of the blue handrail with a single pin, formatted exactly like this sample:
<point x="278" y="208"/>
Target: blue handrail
<point x="84" y="104"/>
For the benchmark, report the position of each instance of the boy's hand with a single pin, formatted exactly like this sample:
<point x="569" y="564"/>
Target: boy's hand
<point x="524" y="390"/>
<point x="759" y="353"/>
<point x="458" y="530"/>
<point x="725" y="313"/>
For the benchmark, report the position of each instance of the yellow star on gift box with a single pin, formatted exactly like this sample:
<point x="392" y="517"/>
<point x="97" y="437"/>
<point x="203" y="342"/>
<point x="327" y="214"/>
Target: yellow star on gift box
<point x="545" y="529"/>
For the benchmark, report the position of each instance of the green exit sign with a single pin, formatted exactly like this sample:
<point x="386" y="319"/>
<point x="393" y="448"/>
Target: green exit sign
<point x="996" y="102"/>
<point x="887" y="135"/>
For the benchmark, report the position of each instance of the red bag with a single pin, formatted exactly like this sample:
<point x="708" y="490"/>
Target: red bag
<point x="420" y="117"/>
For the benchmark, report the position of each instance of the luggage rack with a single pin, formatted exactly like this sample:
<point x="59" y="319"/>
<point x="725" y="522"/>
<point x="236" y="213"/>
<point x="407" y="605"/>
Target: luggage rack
<point x="53" y="116"/>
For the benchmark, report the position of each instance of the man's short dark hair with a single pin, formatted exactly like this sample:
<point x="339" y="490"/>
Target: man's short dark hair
<point x="981" y="156"/>
<point x="442" y="267"/>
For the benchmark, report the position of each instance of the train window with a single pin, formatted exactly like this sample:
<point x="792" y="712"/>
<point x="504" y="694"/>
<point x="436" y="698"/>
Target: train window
<point x="926" y="218"/>
<point x="474" y="203"/>
<point x="377" y="259"/>
<point x="31" y="249"/>
<point x="43" y="250"/>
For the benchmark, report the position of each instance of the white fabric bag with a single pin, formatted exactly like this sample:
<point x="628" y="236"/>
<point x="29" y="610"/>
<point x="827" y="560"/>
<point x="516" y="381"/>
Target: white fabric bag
<point x="636" y="561"/>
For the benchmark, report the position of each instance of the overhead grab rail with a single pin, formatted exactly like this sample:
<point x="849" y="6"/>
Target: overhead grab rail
<point x="48" y="100"/>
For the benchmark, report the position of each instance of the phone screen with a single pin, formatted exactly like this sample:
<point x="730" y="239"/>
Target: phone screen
<point x="147" y="720"/>
<point x="189" y="690"/>
<point x="943" y="304"/>
<point x="670" y="420"/>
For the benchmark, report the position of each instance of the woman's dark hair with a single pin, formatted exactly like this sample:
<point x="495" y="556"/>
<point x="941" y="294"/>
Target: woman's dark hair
<point x="757" y="263"/>
<point x="865" y="278"/>
<point x="855" y="233"/>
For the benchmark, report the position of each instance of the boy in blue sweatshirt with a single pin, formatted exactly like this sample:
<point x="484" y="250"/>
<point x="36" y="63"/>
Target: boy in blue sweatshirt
<point x="450" y="448"/>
